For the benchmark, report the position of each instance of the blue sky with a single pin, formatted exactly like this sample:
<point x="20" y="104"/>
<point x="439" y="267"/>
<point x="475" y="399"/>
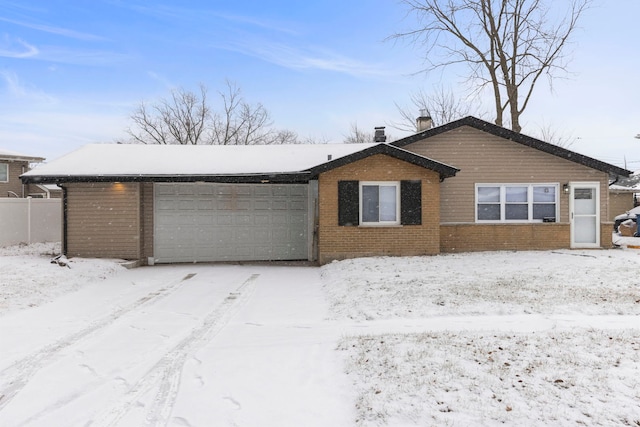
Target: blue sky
<point x="72" y="71"/>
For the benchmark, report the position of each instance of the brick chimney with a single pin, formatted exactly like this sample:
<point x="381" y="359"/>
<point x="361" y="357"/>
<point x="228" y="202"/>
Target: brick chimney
<point x="423" y="122"/>
<point x="379" y="135"/>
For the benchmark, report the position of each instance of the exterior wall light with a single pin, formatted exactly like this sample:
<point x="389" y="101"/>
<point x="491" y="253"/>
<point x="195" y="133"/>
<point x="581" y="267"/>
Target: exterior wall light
<point x="565" y="188"/>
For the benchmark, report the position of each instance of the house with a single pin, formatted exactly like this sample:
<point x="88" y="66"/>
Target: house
<point x="12" y="165"/>
<point x="621" y="199"/>
<point x="168" y="203"/>
<point x="514" y="192"/>
<point x="465" y="186"/>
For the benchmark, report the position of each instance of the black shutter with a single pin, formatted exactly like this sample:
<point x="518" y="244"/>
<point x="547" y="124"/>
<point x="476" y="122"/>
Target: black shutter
<point x="411" y="202"/>
<point x="348" y="202"/>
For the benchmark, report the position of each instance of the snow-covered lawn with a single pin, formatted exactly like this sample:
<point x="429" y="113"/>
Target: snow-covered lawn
<point x="505" y="338"/>
<point x="557" y="282"/>
<point x="28" y="279"/>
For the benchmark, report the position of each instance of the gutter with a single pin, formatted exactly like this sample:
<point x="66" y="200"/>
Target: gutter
<point x="283" y="178"/>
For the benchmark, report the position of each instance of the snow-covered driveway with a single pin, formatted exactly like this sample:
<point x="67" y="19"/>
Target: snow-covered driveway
<point x="187" y="345"/>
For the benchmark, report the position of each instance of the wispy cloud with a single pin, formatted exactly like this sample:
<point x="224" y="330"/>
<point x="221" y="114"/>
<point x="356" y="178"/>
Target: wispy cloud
<point x="11" y="47"/>
<point x="161" y="79"/>
<point x="205" y="15"/>
<point x="20" y="91"/>
<point x="259" y="23"/>
<point x="65" y="32"/>
<point x="307" y="59"/>
<point x="89" y="57"/>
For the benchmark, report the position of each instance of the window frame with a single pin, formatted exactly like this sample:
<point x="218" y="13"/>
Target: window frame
<point x="379" y="223"/>
<point x="502" y="202"/>
<point x="6" y="168"/>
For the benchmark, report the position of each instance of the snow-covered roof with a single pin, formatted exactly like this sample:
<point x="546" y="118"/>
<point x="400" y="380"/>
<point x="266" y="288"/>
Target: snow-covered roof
<point x="237" y="163"/>
<point x="150" y="160"/>
<point x="623" y="188"/>
<point x="13" y="155"/>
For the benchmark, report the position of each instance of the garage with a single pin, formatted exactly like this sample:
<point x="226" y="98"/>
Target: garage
<point x="201" y="222"/>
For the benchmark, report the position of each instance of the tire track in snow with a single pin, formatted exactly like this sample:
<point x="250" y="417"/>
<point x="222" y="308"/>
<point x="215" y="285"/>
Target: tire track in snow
<point x="166" y="374"/>
<point x="15" y="377"/>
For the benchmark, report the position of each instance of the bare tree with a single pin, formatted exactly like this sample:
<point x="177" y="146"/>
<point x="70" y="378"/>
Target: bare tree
<point x="238" y="122"/>
<point x="357" y="135"/>
<point x="507" y="44"/>
<point x="441" y="105"/>
<point x="552" y="135"/>
<point x="182" y="119"/>
<point x="186" y="118"/>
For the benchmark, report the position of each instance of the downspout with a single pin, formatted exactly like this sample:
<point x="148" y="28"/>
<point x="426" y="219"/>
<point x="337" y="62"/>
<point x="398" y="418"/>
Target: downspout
<point x="46" y="190"/>
<point x="28" y="219"/>
<point x="23" y="184"/>
<point x="64" y="220"/>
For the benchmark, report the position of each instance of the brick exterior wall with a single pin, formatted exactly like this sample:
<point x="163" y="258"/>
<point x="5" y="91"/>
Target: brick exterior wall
<point x="341" y="242"/>
<point x="605" y="235"/>
<point x="501" y="237"/>
<point x="103" y="220"/>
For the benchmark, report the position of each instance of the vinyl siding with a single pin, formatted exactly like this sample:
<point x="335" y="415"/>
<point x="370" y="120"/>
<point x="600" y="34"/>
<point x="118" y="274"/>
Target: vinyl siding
<point x="103" y="220"/>
<point x="619" y="203"/>
<point x="485" y="158"/>
<point x="146" y="206"/>
<point x="14" y="184"/>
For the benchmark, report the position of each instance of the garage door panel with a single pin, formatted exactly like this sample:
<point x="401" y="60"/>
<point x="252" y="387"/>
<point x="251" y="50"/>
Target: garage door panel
<point x="281" y="234"/>
<point x="261" y="235"/>
<point x="300" y="191"/>
<point x="206" y="205"/>
<point x="298" y="205"/>
<point x="279" y="205"/>
<point x="262" y="205"/>
<point x="185" y="189"/>
<point x="222" y="218"/>
<point x="263" y="190"/>
<point x="280" y="218"/>
<point x="243" y="219"/>
<point x="298" y="218"/>
<point x="218" y="222"/>
<point x="281" y="190"/>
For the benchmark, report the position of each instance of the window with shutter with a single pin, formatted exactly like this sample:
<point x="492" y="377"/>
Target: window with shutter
<point x="379" y="203"/>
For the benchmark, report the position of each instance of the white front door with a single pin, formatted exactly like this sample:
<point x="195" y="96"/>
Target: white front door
<point x="584" y="214"/>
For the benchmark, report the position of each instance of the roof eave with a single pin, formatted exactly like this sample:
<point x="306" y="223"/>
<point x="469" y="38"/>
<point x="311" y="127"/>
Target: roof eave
<point x="295" y="177"/>
<point x="444" y="170"/>
<point x="22" y="159"/>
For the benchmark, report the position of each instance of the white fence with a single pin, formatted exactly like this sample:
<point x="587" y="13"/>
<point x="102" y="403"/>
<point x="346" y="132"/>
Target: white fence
<point x="30" y="221"/>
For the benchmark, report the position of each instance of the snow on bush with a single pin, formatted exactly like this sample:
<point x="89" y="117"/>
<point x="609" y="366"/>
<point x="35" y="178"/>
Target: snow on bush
<point x="558" y="282"/>
<point x="578" y="377"/>
<point x="29" y="279"/>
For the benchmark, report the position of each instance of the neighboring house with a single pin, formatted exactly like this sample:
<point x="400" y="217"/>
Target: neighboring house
<point x="621" y="199"/>
<point x="12" y="165"/>
<point x="465" y="186"/>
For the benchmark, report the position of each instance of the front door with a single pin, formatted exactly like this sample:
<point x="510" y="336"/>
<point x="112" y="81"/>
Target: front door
<point x="584" y="214"/>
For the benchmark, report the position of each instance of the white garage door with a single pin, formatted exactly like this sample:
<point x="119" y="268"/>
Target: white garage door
<point x="199" y="222"/>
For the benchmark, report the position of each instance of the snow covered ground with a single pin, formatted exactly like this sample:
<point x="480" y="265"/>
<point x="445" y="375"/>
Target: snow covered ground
<point x="504" y="338"/>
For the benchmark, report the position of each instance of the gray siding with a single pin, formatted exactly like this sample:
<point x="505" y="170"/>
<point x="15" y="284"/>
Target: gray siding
<point x="485" y="158"/>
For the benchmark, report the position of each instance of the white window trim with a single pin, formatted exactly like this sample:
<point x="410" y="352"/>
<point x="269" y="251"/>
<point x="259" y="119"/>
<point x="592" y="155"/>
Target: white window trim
<point x="361" y="204"/>
<point x="503" y="201"/>
<point x="6" y="166"/>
